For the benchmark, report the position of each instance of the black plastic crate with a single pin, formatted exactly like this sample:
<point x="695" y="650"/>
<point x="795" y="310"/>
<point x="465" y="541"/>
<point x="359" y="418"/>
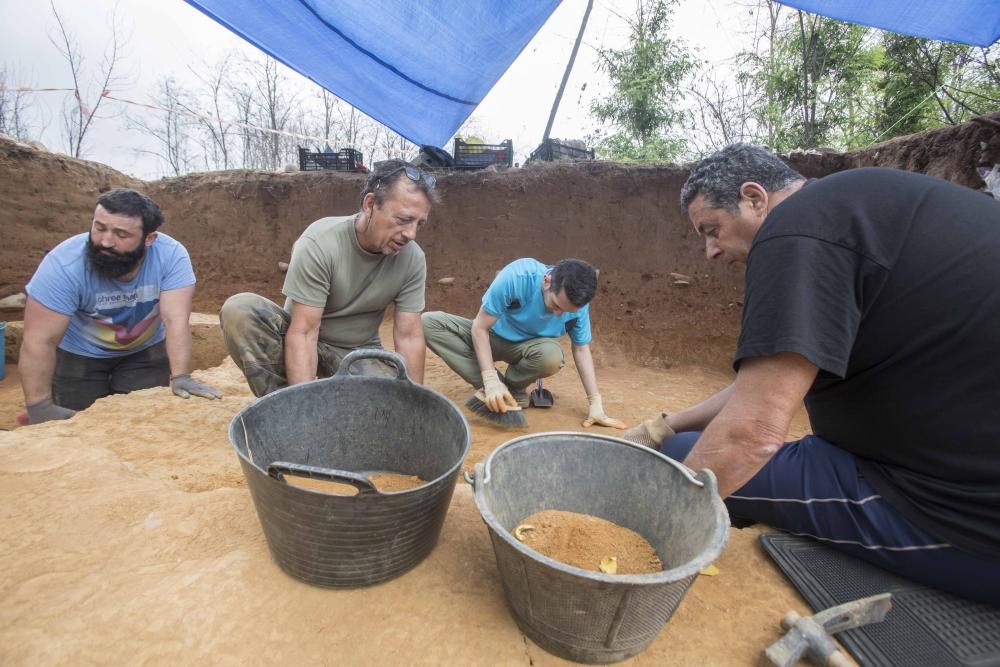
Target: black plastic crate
<point x="481" y="156"/>
<point x="346" y="159"/>
<point x="553" y="149"/>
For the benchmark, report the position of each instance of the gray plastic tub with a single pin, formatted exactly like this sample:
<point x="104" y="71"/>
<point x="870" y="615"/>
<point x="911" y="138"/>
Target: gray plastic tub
<point x="591" y="616"/>
<point x="342" y="429"/>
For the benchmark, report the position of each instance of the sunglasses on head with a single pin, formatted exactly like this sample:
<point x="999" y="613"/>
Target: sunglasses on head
<point x="413" y="174"/>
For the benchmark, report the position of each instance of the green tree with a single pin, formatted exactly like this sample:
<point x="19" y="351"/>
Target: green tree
<point x="925" y="84"/>
<point x="822" y="82"/>
<point x="643" y="106"/>
<point x="814" y="77"/>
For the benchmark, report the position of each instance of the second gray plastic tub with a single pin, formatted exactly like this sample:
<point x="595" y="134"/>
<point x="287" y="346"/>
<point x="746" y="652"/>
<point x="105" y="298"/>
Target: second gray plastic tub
<point x="591" y="616"/>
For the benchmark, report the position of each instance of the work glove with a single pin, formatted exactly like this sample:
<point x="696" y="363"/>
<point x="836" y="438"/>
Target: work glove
<point x="597" y="415"/>
<point x="44" y="411"/>
<point x="498" y="398"/>
<point x="650" y="433"/>
<point x="185" y="385"/>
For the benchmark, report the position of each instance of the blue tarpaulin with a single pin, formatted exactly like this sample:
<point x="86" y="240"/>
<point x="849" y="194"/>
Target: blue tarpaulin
<point x="418" y="66"/>
<point x="422" y="66"/>
<point x="967" y="21"/>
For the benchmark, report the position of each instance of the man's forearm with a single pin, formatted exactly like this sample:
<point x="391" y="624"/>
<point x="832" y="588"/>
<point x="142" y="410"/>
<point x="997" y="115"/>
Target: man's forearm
<point x="585" y="368"/>
<point x="698" y="417"/>
<point x="179" y="348"/>
<point x="413" y="349"/>
<point x="301" y="356"/>
<point x="484" y="352"/>
<point x="36" y="365"/>
<point x="734" y="448"/>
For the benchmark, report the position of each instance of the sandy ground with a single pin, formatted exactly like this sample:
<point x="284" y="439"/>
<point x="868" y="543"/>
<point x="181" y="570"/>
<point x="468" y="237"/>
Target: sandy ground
<point x="11" y="398"/>
<point x="129" y="537"/>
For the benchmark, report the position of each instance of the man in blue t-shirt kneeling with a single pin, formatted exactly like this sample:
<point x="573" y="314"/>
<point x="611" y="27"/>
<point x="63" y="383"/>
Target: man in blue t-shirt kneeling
<point x="108" y="312"/>
<point x="525" y="311"/>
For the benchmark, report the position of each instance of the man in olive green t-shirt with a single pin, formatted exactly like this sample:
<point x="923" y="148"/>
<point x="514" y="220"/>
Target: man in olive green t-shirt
<point x="344" y="273"/>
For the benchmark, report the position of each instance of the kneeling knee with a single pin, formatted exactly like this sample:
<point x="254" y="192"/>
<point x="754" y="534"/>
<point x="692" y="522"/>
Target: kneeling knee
<point x="552" y="361"/>
<point x="431" y="319"/>
<point x="239" y="308"/>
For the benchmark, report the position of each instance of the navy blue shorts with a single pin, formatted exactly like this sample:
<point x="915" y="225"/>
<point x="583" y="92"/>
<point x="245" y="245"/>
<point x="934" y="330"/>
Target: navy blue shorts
<point x="813" y="488"/>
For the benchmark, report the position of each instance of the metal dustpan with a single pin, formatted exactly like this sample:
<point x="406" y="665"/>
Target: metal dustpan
<point x="540" y="396"/>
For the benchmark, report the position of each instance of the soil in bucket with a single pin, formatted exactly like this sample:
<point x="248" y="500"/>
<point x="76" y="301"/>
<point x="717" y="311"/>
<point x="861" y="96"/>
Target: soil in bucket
<point x="588" y="542"/>
<point x="386" y="482"/>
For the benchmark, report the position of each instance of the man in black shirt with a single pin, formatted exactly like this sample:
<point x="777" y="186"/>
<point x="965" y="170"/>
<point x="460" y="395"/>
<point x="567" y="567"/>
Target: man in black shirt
<point x="874" y="296"/>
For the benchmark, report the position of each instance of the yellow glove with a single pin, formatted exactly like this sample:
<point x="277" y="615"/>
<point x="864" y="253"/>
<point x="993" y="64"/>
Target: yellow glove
<point x="597" y="415"/>
<point x="498" y="398"/>
<point x="650" y="433"/>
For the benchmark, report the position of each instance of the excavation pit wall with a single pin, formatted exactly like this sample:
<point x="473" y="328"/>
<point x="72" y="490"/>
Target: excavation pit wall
<point x="659" y="302"/>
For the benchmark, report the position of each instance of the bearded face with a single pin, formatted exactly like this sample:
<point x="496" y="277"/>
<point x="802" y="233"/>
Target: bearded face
<point x="111" y="263"/>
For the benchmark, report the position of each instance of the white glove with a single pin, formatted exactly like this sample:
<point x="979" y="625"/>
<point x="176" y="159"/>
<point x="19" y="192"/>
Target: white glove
<point x="597" y="415"/>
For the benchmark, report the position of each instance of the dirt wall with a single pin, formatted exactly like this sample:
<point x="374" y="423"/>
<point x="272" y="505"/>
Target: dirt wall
<point x="625" y="219"/>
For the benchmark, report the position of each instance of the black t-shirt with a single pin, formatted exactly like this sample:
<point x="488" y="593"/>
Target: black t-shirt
<point x="889" y="282"/>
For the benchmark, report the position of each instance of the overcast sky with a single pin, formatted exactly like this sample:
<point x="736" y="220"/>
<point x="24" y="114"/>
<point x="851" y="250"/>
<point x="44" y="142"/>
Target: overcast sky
<point x="165" y="37"/>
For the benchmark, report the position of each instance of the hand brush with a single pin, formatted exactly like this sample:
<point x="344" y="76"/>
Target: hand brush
<point x="513" y="418"/>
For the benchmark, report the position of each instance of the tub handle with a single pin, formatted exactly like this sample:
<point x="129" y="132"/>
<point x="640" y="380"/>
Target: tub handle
<point x="479" y="475"/>
<point x="279" y="469"/>
<point x="360" y="354"/>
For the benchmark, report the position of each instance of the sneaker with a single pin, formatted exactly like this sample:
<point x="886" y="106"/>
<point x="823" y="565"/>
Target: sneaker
<point x="520" y="395"/>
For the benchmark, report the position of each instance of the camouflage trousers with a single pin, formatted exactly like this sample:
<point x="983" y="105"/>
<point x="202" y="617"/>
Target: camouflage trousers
<point x="450" y="337"/>
<point x="254" y="330"/>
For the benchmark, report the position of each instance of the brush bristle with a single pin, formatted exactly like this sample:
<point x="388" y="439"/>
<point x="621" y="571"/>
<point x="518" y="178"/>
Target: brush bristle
<point x="509" y="419"/>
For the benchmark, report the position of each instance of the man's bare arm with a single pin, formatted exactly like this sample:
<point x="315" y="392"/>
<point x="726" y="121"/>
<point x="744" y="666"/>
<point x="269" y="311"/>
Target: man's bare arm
<point x="301" y="340"/>
<point x="175" y="311"/>
<point x="481" y="339"/>
<point x="697" y="417"/>
<point x="43" y="330"/>
<point x="408" y="337"/>
<point x="752" y="426"/>
<point x="584" y="361"/>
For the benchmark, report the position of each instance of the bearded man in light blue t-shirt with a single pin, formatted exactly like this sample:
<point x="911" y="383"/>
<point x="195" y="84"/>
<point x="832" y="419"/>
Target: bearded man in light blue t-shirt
<point x="108" y="312"/>
<point x="526" y="309"/>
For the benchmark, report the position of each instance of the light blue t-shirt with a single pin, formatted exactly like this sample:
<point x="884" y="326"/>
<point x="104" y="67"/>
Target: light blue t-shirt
<point x="515" y="298"/>
<point x="109" y="318"/>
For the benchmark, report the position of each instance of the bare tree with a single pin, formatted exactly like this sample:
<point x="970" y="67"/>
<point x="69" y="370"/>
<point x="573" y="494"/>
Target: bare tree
<point x="214" y="122"/>
<point x="251" y="114"/>
<point x="723" y="110"/>
<point x="242" y="101"/>
<point x="351" y="124"/>
<point x="80" y="113"/>
<point x="14" y="109"/>
<point x="330" y="104"/>
<point x="170" y="129"/>
<point x="272" y="100"/>
<point x="395" y="147"/>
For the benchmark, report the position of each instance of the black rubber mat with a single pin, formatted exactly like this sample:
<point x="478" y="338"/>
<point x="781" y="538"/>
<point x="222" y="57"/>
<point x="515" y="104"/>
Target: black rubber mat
<point x="924" y="627"/>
